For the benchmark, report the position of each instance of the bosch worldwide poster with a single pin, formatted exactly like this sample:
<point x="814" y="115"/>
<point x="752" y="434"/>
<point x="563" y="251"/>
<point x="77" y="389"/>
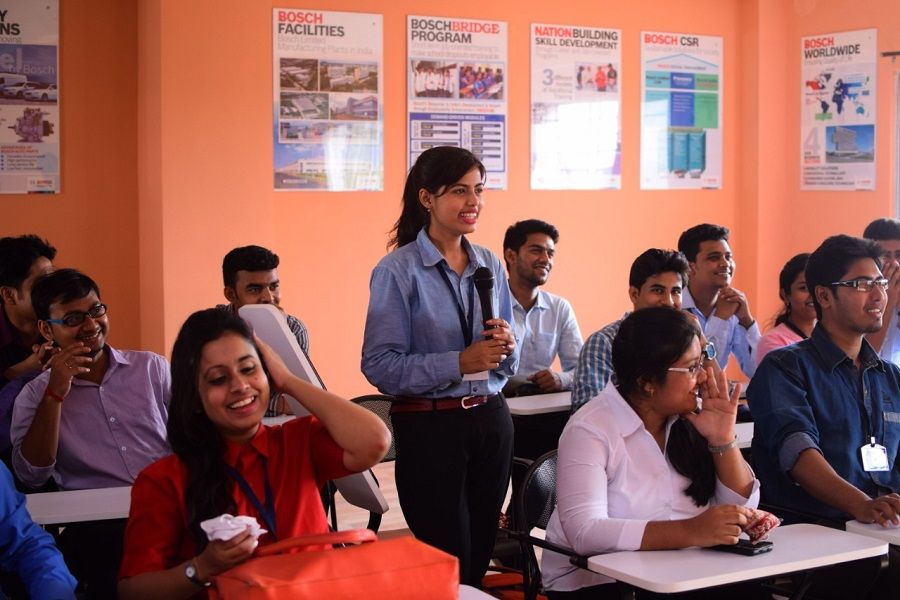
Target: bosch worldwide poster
<point x="837" y="111"/>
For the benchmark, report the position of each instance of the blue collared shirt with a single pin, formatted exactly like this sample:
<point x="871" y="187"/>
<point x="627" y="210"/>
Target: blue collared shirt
<point x="594" y="368"/>
<point x="28" y="550"/>
<point x="811" y="395"/>
<point x="413" y="334"/>
<point x="547" y="329"/>
<point x="727" y="336"/>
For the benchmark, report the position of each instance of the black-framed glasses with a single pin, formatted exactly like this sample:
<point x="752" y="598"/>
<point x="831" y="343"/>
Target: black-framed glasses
<point x="864" y="285"/>
<point x="75" y="319"/>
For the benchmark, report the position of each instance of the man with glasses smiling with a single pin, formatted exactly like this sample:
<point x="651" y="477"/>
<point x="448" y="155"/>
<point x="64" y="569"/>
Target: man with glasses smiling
<point x="827" y="409"/>
<point x="95" y="418"/>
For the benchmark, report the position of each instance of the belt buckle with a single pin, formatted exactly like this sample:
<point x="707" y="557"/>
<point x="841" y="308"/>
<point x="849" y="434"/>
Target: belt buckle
<point x="462" y="402"/>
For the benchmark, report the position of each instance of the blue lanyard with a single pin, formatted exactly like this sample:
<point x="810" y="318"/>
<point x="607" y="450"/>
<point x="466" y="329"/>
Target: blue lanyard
<point x="267" y="512"/>
<point x="465" y="321"/>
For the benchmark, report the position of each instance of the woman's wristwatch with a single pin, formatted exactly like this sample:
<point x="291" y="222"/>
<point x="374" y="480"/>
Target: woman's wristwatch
<point x="708" y="352"/>
<point x="190" y="571"/>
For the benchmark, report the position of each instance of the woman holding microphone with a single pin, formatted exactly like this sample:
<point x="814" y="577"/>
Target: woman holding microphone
<point x="425" y="344"/>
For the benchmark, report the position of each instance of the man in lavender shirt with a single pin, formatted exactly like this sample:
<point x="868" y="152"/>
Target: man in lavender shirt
<point x="93" y="419"/>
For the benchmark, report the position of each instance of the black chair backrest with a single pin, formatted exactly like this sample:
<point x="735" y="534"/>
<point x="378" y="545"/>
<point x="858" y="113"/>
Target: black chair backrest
<point x="380" y="404"/>
<point x="538" y="492"/>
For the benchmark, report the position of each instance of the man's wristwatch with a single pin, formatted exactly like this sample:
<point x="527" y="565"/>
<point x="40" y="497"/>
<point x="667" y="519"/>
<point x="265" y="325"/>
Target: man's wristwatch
<point x="190" y="571"/>
<point x="708" y="352"/>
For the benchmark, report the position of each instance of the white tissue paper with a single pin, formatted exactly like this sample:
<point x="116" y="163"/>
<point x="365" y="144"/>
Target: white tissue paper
<point x="225" y="527"/>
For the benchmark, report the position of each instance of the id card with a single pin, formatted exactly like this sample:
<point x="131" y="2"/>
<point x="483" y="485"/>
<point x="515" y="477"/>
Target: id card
<point x="874" y="457"/>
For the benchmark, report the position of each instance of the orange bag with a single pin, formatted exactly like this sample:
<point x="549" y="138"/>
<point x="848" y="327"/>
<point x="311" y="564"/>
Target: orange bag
<point x="394" y="569"/>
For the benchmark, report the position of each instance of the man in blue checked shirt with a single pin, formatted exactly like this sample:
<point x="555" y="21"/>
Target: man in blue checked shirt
<point x="657" y="278"/>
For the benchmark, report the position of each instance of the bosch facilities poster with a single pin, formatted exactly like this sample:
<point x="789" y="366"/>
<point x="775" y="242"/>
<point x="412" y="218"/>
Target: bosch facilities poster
<point x="681" y="111"/>
<point x="457" y="89"/>
<point x="576" y="124"/>
<point x="29" y="97"/>
<point x="837" y="112"/>
<point x="328" y="104"/>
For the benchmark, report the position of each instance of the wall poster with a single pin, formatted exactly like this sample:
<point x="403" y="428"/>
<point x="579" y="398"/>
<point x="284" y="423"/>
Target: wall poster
<point x="457" y="89"/>
<point x="837" y="111"/>
<point x="576" y="123"/>
<point x="29" y="97"/>
<point x="681" y="111"/>
<point x="328" y="104"/>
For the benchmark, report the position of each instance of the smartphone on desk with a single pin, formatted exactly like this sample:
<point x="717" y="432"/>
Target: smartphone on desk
<point x="745" y="547"/>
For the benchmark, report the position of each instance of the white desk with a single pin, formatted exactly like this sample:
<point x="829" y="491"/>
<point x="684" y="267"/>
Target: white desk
<point x="797" y="548"/>
<point x="540" y="403"/>
<point x="890" y="534"/>
<point x="744" y="432"/>
<point x="79" y="505"/>
<point x="467" y="592"/>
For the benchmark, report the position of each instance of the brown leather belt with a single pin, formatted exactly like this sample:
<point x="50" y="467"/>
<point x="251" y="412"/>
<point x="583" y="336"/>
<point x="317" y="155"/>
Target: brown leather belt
<point x="406" y="404"/>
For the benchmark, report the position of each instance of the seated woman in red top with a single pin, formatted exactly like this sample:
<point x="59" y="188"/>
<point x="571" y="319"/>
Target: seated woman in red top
<point x="226" y="461"/>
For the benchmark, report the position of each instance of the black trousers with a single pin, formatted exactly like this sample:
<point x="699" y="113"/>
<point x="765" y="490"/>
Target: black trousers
<point x="452" y="473"/>
<point x="93" y="553"/>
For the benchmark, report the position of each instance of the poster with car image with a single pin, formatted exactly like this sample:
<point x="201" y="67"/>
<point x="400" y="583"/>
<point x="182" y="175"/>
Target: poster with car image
<point x="29" y="97"/>
<point x="837" y="111"/>
<point x="328" y="103"/>
<point x="681" y="111"/>
<point x="457" y="89"/>
<point x="576" y="132"/>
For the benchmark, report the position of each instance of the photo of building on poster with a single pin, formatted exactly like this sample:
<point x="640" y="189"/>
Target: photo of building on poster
<point x="29" y="97"/>
<point x="681" y="111"/>
<point x="837" y="119"/>
<point x="576" y="131"/>
<point x="457" y="89"/>
<point x="328" y="109"/>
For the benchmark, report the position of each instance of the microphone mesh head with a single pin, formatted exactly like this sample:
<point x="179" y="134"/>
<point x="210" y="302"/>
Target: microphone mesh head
<point x="484" y="278"/>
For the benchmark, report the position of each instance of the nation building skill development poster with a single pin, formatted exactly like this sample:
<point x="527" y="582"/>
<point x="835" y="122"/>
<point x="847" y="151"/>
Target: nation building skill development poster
<point x="681" y="111"/>
<point x="576" y="132"/>
<point x="328" y="100"/>
<point x="837" y="111"/>
<point x="457" y="89"/>
<point x="29" y="97"/>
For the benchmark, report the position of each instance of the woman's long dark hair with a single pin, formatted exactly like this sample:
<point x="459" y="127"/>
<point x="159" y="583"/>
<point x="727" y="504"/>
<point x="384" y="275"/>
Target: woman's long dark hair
<point x="193" y="437"/>
<point x="786" y="278"/>
<point x="650" y="341"/>
<point x="435" y="168"/>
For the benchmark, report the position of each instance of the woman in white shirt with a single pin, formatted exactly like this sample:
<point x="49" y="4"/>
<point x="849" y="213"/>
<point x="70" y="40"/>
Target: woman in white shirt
<point x="640" y="467"/>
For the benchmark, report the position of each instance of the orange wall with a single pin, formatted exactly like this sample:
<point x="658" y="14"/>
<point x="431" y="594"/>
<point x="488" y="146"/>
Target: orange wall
<point x="216" y="170"/>
<point x="182" y="172"/>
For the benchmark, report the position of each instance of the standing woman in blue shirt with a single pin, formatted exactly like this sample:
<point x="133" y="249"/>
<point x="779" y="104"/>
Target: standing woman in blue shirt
<point x="425" y="344"/>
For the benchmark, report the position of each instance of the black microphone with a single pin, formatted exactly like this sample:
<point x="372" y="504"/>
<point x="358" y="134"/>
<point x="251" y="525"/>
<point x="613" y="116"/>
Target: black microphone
<point x="484" y="283"/>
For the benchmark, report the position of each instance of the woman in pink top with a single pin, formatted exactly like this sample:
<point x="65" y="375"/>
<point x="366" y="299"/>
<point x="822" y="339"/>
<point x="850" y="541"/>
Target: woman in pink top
<point x="798" y="317"/>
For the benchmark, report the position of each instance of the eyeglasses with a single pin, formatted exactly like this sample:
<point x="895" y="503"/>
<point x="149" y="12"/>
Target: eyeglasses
<point x="864" y="285"/>
<point x="75" y="319"/>
<point x="692" y="370"/>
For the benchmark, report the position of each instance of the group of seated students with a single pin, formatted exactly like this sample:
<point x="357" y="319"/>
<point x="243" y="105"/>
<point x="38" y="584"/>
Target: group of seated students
<point x="647" y="460"/>
<point x="82" y="414"/>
